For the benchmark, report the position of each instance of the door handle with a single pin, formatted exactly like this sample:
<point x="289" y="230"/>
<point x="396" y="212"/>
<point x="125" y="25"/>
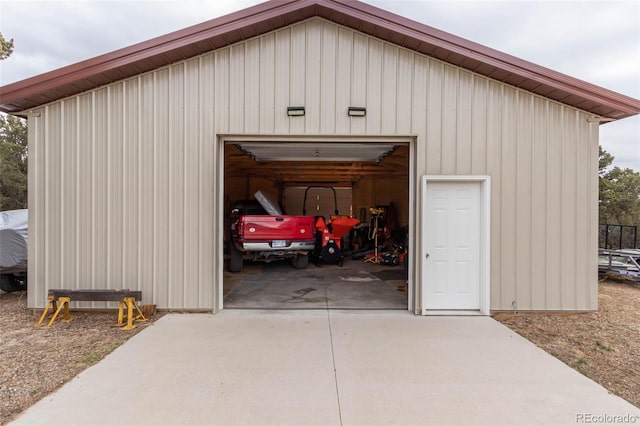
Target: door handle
<point x="427" y="256"/>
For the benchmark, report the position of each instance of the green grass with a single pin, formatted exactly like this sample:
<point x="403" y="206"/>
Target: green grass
<point x="101" y="352"/>
<point x="603" y="346"/>
<point x="579" y="364"/>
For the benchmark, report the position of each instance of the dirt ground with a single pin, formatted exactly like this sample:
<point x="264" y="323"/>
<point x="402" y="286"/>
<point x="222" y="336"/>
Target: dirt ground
<point x="36" y="361"/>
<point x="603" y="345"/>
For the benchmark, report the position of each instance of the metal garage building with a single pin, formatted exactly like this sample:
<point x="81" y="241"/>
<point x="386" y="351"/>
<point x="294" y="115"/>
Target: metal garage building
<point x="127" y="180"/>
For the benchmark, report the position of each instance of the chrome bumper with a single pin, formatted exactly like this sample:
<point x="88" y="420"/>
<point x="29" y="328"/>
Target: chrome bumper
<point x="266" y="246"/>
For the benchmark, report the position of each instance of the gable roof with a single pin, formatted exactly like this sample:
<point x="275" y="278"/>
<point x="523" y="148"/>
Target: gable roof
<point x="271" y="15"/>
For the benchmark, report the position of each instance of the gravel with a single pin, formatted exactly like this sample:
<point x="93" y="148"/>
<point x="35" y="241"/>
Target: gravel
<point x="36" y="361"/>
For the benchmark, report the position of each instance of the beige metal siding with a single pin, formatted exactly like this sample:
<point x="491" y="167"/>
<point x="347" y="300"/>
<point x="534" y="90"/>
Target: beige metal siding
<point x="126" y="180"/>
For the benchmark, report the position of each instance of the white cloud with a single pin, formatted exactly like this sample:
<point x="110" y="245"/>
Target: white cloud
<point x="622" y="140"/>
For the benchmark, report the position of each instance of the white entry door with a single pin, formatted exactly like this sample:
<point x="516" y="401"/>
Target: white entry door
<point x="452" y="262"/>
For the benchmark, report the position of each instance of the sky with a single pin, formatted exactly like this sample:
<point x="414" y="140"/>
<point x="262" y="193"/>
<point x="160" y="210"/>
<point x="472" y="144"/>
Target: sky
<point x="595" y="41"/>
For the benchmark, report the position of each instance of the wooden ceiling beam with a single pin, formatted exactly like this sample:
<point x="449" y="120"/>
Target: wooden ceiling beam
<point x="239" y="164"/>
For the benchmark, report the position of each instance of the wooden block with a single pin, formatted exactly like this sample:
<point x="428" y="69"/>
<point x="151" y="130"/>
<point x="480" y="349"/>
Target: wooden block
<point x="148" y="310"/>
<point x="96" y="295"/>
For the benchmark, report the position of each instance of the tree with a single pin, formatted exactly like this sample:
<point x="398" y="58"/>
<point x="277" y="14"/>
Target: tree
<point x="13" y="152"/>
<point x="605" y="161"/>
<point x="13" y="163"/>
<point x="6" y="47"/>
<point x="619" y="193"/>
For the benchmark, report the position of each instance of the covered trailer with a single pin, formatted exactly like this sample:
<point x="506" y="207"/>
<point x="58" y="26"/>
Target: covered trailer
<point x="13" y="250"/>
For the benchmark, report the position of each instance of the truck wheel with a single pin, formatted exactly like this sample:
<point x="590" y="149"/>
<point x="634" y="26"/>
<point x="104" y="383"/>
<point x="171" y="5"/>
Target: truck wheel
<point x="9" y="283"/>
<point x="301" y="261"/>
<point x="236" y="259"/>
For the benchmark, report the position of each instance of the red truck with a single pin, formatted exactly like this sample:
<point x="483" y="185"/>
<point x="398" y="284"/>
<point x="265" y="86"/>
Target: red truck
<point x="259" y="236"/>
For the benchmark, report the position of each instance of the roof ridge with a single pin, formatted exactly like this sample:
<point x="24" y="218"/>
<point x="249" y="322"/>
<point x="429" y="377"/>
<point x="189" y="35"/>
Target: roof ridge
<point x="271" y="15"/>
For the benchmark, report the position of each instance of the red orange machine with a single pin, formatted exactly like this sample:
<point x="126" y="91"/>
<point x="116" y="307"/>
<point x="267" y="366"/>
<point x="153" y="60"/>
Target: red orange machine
<point x="329" y="234"/>
<point x="329" y="248"/>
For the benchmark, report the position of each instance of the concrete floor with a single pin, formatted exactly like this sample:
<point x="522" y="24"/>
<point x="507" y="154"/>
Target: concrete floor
<point x="356" y="285"/>
<point x="327" y="367"/>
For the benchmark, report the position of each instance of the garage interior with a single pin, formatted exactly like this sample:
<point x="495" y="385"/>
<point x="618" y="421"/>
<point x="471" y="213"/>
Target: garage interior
<point x="368" y="178"/>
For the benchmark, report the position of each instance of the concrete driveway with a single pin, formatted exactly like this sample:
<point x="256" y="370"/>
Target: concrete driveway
<point x="253" y="367"/>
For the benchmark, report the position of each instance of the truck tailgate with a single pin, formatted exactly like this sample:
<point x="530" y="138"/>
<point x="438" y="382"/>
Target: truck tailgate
<point x="268" y="228"/>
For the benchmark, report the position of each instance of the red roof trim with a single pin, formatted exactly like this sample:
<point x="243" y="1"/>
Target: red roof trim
<point x="269" y="16"/>
<point x="492" y="57"/>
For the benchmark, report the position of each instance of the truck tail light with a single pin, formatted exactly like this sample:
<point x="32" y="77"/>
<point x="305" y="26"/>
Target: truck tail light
<point x="238" y="229"/>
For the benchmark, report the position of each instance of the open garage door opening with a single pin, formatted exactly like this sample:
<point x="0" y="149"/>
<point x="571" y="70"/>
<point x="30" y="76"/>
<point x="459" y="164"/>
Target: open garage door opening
<point x="316" y="224"/>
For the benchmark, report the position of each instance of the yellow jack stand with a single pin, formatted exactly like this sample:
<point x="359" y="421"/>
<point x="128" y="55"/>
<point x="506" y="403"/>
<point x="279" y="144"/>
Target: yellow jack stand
<point x="130" y="303"/>
<point x="64" y="303"/>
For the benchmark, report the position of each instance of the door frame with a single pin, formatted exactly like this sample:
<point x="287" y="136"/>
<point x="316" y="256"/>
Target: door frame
<point x="221" y="139"/>
<point x="485" y="241"/>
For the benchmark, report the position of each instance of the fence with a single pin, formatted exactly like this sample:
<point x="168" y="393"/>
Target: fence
<point x="617" y="237"/>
